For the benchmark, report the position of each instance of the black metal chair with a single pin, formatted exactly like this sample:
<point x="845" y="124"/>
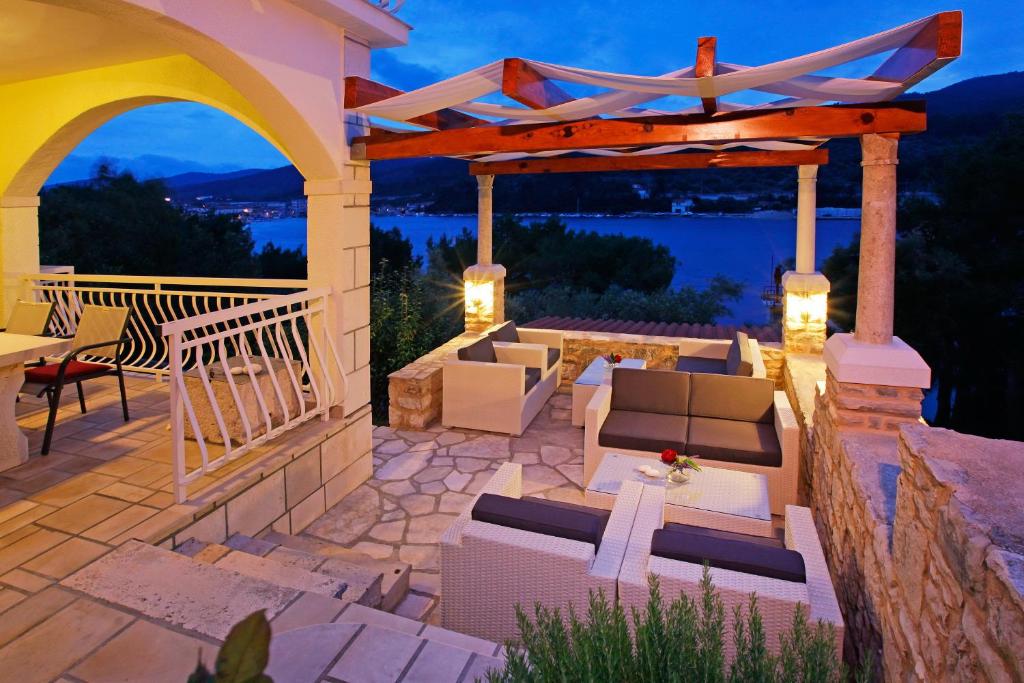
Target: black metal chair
<point x="100" y="335"/>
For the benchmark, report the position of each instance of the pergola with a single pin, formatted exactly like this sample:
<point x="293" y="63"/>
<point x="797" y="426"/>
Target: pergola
<point x="539" y="127"/>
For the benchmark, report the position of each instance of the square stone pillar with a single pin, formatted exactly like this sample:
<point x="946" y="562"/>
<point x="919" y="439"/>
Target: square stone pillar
<point x="19" y="247"/>
<point x="485" y="296"/>
<point x="804" y="312"/>
<point x="338" y="256"/>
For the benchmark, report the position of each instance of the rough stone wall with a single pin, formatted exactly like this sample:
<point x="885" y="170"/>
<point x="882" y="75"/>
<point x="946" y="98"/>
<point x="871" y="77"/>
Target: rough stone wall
<point x="922" y="529"/>
<point x="414" y="392"/>
<point x="872" y="408"/>
<point x="579" y="349"/>
<point x="774" y="363"/>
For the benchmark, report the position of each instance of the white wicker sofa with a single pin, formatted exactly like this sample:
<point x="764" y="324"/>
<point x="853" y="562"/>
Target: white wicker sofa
<point x="497" y="386"/>
<point x="487" y="569"/>
<point x="730" y="422"/>
<point x="777" y="599"/>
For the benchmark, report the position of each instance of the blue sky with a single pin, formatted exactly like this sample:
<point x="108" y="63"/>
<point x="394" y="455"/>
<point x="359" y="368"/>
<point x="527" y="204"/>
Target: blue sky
<point x="451" y="36"/>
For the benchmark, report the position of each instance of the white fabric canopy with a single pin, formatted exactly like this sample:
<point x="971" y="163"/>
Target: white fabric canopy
<point x="794" y="79"/>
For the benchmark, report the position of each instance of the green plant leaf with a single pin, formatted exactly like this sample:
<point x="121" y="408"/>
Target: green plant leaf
<point x="246" y="651"/>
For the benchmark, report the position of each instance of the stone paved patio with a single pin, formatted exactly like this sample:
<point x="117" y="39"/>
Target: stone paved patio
<point x="424" y="479"/>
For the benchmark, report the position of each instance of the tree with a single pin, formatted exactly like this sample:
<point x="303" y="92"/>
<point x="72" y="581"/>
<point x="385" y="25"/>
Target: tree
<point x="959" y="284"/>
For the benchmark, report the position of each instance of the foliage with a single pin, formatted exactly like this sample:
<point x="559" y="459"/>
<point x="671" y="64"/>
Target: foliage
<point x="116" y="224"/>
<point x="545" y="253"/>
<point x="959" y="284"/>
<point x="683" y="641"/>
<point x="684" y="305"/>
<point x="244" y="655"/>
<point x="407" y="319"/>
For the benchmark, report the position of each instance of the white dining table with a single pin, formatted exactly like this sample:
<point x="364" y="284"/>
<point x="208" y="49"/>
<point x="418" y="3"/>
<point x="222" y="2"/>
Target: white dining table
<point x="15" y="350"/>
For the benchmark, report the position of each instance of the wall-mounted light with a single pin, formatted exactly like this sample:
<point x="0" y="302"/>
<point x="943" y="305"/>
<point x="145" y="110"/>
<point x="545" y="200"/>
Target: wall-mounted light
<point x="480" y="300"/>
<point x="806" y="308"/>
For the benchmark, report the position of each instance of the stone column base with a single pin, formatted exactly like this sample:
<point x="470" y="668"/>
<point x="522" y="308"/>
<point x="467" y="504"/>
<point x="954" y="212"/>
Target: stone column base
<point x="873" y="387"/>
<point x="485" y="296"/>
<point x="804" y="312"/>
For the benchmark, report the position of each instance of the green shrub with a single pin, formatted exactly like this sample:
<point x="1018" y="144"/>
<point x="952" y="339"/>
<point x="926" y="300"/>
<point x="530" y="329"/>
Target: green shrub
<point x="244" y="655"/>
<point x="683" y="641"/>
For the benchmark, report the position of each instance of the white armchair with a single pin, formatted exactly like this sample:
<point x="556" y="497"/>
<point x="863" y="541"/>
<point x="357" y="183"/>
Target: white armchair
<point x="486" y="569"/>
<point x="777" y="599"/>
<point x="501" y="395"/>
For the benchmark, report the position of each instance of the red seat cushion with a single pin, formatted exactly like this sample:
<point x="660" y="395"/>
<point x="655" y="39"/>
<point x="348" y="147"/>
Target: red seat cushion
<point x="46" y="374"/>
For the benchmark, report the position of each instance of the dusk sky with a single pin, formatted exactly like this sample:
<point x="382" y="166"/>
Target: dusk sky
<point x="452" y="36"/>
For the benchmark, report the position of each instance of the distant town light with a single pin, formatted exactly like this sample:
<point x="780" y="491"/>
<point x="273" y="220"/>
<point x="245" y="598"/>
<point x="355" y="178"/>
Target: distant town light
<point x="167" y="199"/>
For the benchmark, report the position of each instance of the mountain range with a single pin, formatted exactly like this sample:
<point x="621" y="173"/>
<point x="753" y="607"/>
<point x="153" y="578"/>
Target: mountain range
<point x="957" y="114"/>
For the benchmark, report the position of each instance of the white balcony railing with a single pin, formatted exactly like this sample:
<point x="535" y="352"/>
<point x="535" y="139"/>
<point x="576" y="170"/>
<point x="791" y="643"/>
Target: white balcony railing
<point x="154" y="301"/>
<point x="257" y="370"/>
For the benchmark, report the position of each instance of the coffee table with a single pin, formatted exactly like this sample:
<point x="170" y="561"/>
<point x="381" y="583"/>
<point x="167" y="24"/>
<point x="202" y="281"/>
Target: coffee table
<point x="715" y="498"/>
<point x="589" y="380"/>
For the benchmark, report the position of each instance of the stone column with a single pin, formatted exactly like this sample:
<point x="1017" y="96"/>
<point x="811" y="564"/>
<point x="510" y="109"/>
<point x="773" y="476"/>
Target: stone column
<point x="874" y="381"/>
<point x="805" y="291"/>
<point x="338" y="256"/>
<point x="19" y="247"/>
<point x="877" y="269"/>
<point x="485" y="281"/>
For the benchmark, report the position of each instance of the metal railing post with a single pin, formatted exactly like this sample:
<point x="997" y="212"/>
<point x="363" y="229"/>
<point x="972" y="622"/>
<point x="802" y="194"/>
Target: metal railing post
<point x="177" y="418"/>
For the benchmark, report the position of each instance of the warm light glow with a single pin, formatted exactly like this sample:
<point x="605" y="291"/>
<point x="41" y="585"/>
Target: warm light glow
<point x="480" y="299"/>
<point x="806" y="308"/>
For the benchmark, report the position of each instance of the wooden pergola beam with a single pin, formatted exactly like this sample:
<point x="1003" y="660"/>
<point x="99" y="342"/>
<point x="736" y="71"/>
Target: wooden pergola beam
<point x="937" y="43"/>
<point x="705" y="68"/>
<point x="361" y="91"/>
<point x="654" y="162"/>
<point x="765" y="124"/>
<point x="522" y="83"/>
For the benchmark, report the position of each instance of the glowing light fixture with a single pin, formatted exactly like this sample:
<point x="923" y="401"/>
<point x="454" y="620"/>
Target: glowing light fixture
<point x="480" y="300"/>
<point x="804" y="309"/>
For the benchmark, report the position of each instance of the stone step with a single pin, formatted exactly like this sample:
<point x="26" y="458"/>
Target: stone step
<point x="365" y="583"/>
<point x="281" y="574"/>
<point x="395" y="582"/>
<point x="178" y="590"/>
<point x="379" y="646"/>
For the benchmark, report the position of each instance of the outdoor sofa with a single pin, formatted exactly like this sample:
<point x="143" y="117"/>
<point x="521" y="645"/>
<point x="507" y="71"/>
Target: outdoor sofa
<point x="505" y="550"/>
<point x="739" y="356"/>
<point x="783" y="574"/>
<point x="496" y="385"/>
<point x="738" y="423"/>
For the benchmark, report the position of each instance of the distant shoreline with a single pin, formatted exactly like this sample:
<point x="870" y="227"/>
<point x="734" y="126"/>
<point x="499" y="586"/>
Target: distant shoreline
<point x="634" y="214"/>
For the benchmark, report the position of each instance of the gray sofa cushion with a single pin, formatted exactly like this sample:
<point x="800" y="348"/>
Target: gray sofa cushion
<point x="481" y="351"/>
<point x="548" y="517"/>
<point x="532" y="377"/>
<point x="637" y="431"/>
<point x="749" y="443"/>
<point x="694" y="364"/>
<point x="651" y="391"/>
<point x="769" y="541"/>
<point x="553" y="356"/>
<point x="505" y="333"/>
<point x="751" y="399"/>
<point x="739" y="361"/>
<point x="736" y="552"/>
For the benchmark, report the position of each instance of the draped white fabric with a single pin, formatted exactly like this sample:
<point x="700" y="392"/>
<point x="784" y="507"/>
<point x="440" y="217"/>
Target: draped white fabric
<point x="794" y="79"/>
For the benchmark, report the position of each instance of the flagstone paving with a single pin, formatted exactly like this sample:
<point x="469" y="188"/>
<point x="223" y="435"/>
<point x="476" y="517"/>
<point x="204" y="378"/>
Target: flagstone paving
<point x="423" y="479"/>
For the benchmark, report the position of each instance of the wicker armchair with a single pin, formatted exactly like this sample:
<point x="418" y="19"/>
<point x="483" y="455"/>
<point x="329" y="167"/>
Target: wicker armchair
<point x="777" y="599"/>
<point x="486" y="569"/>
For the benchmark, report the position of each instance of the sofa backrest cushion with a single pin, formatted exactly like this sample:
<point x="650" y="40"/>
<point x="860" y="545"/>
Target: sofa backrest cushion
<point x="736" y="552"/>
<point x="739" y="360"/>
<point x="651" y="391"/>
<point x="548" y="517"/>
<point x="481" y="351"/>
<point x="727" y="397"/>
<point x="505" y="333"/>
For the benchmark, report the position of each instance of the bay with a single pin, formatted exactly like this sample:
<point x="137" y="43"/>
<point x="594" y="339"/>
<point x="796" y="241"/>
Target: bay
<point x="743" y="248"/>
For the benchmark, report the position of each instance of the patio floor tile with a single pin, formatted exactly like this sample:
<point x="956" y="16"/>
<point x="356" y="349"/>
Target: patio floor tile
<point x="146" y="652"/>
<point x="82" y="514"/>
<point x="65" y="558"/>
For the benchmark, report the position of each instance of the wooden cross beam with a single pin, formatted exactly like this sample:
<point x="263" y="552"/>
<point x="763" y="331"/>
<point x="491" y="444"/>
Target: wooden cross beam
<point x="835" y="121"/>
<point x="705" y="68"/>
<point x="654" y="162"/>
<point x="522" y="83"/>
<point x="360" y="91"/>
<point x="937" y="43"/>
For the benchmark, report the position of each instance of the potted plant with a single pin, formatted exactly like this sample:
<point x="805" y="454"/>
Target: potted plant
<point x="679" y="466"/>
<point x="611" y="361"/>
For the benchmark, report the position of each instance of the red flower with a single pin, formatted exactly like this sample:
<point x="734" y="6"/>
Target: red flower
<point x="618" y="358"/>
<point x="668" y="456"/>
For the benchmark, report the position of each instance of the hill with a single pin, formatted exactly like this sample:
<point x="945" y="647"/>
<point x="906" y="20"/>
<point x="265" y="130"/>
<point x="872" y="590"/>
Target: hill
<point x="956" y="114"/>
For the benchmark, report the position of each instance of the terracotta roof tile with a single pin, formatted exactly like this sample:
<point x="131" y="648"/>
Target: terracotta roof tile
<point x="766" y="333"/>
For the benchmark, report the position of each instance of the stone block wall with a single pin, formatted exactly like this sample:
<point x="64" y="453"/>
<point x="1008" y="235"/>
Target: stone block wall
<point x="579" y="349"/>
<point x="924" y="534"/>
<point x="414" y="392"/>
<point x="871" y="408"/>
<point x="774" y="362"/>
